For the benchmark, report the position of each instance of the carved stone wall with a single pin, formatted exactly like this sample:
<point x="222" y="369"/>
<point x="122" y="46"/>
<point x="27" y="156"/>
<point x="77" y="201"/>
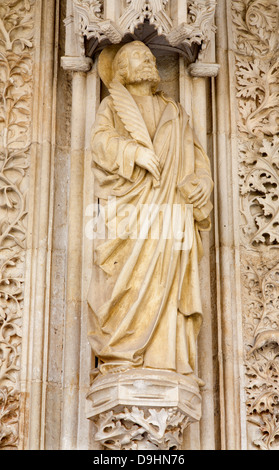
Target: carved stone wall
<point x="16" y="81"/>
<point x="34" y="156"/>
<point x="256" y="53"/>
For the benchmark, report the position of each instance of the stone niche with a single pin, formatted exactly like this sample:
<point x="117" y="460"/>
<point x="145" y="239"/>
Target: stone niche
<point x="145" y="408"/>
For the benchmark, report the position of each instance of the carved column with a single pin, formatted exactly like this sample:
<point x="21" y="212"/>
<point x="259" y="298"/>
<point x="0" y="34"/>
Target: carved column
<point x="84" y="90"/>
<point x="37" y="337"/>
<point x="29" y="56"/>
<point x="227" y="246"/>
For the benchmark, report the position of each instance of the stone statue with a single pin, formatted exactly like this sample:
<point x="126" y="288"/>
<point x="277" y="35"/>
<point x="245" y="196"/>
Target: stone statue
<point x="153" y="184"/>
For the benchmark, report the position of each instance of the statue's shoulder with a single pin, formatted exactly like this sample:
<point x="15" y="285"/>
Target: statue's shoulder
<point x="162" y="95"/>
<point x="106" y="107"/>
<point x="167" y="99"/>
<point x="176" y="105"/>
<point x="106" y="102"/>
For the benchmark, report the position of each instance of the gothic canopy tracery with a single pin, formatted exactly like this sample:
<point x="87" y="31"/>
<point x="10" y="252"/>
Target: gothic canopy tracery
<point x="184" y="26"/>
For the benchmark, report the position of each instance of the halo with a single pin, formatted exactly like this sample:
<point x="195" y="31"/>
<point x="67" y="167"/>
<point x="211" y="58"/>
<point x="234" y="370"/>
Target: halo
<point x="105" y="63"/>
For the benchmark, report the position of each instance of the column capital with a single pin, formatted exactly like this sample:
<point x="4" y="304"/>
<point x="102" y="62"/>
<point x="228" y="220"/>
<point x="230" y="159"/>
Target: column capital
<point x="203" y="69"/>
<point x="76" y="64"/>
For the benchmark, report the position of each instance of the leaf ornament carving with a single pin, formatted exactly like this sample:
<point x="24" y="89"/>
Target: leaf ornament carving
<point x="95" y="7"/>
<point x="140" y="10"/>
<point x="196" y="28"/>
<point x="258" y="93"/>
<point x="256" y="51"/>
<point x="16" y="70"/>
<point x="261" y="332"/>
<point x="256" y="41"/>
<point x="133" y="426"/>
<point x="259" y="188"/>
<point x="255" y="24"/>
<point x="9" y="407"/>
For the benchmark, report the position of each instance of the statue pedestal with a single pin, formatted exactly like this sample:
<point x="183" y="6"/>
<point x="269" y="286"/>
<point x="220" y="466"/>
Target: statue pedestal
<point x="143" y="409"/>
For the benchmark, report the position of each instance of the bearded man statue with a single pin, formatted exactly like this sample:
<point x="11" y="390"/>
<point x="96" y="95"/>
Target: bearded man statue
<point x="144" y="297"/>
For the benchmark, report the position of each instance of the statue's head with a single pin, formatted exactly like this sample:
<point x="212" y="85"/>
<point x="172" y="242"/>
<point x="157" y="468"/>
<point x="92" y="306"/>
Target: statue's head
<point x="135" y="63"/>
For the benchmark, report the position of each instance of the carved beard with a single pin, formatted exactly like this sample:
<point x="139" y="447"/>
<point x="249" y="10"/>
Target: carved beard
<point x="143" y="73"/>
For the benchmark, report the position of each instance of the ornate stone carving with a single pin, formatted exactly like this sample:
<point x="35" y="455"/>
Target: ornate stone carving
<point x="195" y="28"/>
<point x="255" y="27"/>
<point x="95" y="8"/>
<point x="261" y="332"/>
<point x="263" y="395"/>
<point x="89" y="22"/>
<point x="256" y="57"/>
<point x="261" y="282"/>
<point x="257" y="73"/>
<point x="199" y="25"/>
<point x="9" y="407"/>
<point x="258" y="94"/>
<point x="16" y="29"/>
<point x="16" y="25"/>
<point x="139" y="429"/>
<point x="143" y="409"/>
<point x="138" y="11"/>
<point x="260" y="191"/>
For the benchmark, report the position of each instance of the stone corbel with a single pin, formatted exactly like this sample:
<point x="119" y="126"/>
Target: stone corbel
<point x="143" y="409"/>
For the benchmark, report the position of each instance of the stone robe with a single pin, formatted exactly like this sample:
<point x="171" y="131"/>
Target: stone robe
<point x="144" y="298"/>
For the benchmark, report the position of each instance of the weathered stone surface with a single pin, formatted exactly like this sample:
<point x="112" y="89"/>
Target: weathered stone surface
<point x="143" y="409"/>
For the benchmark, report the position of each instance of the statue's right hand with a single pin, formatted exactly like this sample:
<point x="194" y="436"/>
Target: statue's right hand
<point x="147" y="159"/>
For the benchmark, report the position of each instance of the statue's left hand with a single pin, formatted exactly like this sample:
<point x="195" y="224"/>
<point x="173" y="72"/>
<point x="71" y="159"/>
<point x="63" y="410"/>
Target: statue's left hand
<point x="201" y="193"/>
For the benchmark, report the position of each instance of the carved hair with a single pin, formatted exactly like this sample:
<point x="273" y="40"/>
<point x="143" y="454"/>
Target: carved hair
<point x="121" y="63"/>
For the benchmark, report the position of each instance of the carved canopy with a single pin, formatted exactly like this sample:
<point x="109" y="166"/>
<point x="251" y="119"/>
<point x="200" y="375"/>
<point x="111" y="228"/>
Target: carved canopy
<point x="186" y="26"/>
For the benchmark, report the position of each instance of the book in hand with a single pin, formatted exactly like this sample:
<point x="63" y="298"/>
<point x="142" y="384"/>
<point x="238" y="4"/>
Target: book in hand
<point x="186" y="188"/>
